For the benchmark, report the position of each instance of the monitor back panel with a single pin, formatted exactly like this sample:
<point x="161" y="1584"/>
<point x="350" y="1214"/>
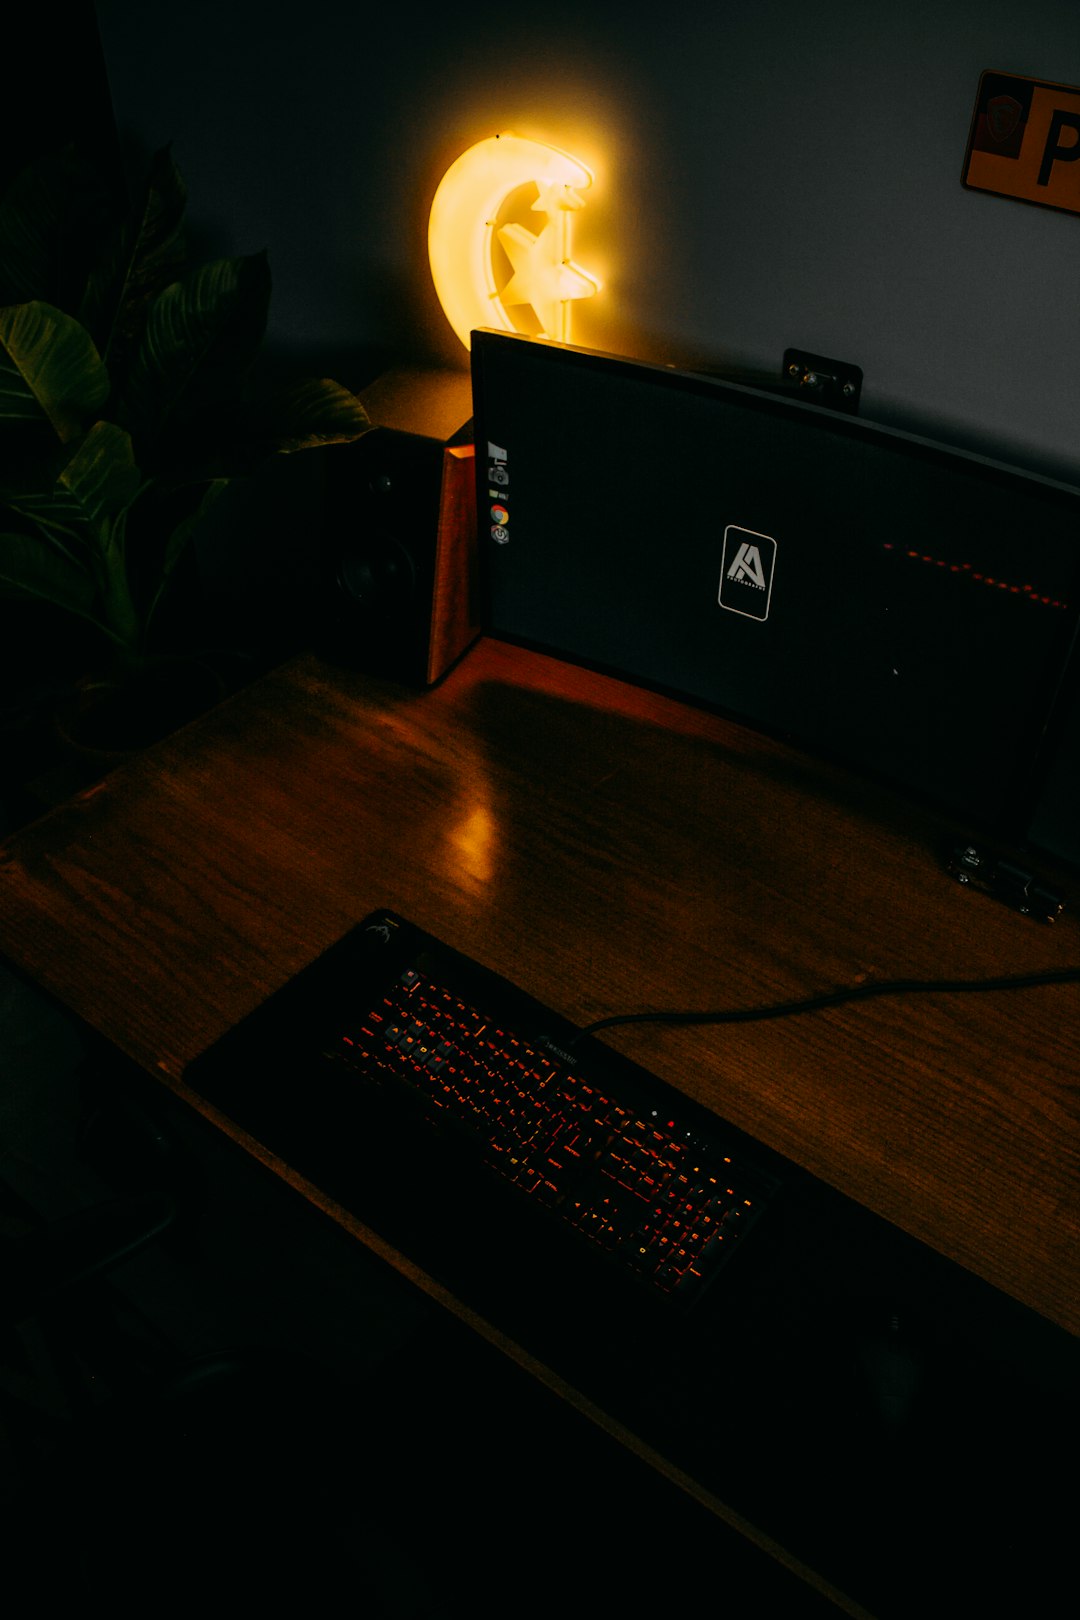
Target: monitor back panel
<point x="866" y="594"/>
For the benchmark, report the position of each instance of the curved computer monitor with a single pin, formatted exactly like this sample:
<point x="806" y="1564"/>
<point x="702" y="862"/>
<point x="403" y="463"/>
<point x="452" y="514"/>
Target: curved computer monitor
<point x="866" y="594"/>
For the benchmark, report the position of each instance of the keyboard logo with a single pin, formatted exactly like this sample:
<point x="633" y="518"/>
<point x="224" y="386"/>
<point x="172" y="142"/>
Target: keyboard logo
<point x="746" y="573"/>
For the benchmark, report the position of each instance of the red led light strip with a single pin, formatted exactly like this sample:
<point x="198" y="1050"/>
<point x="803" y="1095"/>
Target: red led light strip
<point x="1030" y="591"/>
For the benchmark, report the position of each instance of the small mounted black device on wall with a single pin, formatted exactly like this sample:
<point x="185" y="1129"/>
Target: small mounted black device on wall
<point x="398" y="596"/>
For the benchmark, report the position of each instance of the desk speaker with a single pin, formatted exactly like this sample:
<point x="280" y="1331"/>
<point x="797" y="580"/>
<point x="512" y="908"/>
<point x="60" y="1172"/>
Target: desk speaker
<point x="399" y="563"/>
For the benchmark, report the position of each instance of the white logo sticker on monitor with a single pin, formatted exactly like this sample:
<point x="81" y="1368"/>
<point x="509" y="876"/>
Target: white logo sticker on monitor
<point x="746" y="574"/>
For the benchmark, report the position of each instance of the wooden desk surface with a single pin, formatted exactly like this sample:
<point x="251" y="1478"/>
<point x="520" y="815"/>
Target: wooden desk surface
<point x="609" y="850"/>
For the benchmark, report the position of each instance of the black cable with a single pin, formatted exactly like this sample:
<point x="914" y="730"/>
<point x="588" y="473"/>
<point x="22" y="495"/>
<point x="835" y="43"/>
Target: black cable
<point x="835" y="998"/>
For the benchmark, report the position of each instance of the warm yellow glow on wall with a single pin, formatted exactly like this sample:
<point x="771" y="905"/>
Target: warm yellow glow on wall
<point x="464" y="228"/>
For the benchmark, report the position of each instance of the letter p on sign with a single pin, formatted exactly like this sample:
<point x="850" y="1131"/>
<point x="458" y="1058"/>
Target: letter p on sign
<point x="1025" y="141"/>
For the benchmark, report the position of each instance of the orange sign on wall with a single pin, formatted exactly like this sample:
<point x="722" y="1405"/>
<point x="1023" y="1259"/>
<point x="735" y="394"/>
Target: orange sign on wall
<point x="1025" y="141"/>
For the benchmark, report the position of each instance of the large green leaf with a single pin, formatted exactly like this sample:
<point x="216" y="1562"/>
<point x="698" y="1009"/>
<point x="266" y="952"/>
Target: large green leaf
<point x="30" y="567"/>
<point x="101" y="479"/>
<point x="52" y="513"/>
<point x="119" y="614"/>
<point x="145" y="254"/>
<point x="309" y="413"/>
<point x="77" y="560"/>
<point x="49" y="370"/>
<point x="201" y="335"/>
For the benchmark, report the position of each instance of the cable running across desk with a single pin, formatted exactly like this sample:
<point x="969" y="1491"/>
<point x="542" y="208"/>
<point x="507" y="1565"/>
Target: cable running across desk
<point x="834" y="998"/>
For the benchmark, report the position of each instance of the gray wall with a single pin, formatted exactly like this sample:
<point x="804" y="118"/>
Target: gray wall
<point x="770" y="172"/>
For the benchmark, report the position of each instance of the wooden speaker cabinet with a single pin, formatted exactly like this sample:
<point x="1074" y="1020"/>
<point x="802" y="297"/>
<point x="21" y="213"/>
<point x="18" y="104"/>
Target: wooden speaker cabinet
<point x="399" y="566"/>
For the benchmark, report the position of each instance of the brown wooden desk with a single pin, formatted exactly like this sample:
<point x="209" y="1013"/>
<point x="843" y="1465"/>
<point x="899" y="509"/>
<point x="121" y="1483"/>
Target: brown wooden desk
<point x="608" y="850"/>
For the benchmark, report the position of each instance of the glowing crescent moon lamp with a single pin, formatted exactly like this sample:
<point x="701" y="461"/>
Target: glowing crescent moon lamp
<point x="463" y="228"/>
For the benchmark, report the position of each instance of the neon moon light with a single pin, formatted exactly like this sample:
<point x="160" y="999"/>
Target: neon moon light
<point x="463" y="228"/>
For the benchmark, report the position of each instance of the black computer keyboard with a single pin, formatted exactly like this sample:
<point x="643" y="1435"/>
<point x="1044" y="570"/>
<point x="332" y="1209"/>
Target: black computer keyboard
<point x="725" y="1306"/>
<point x="668" y="1204"/>
<point x="404" y="1040"/>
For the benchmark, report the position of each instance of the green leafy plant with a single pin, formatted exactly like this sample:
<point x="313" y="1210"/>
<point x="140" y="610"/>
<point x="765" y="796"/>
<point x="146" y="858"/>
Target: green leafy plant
<point x="127" y="399"/>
